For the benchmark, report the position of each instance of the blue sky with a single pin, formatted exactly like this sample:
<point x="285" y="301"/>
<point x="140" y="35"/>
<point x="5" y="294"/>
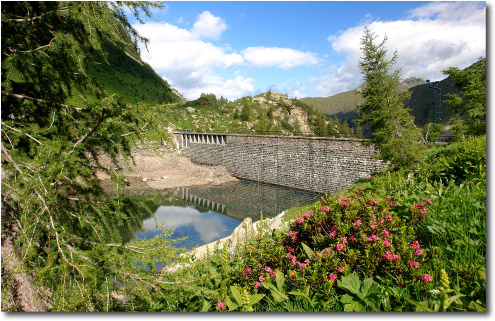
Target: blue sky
<point x="304" y="49"/>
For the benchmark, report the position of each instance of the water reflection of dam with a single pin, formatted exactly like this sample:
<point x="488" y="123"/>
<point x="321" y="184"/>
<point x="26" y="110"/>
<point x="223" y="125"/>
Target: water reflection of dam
<point x="245" y="199"/>
<point x="185" y="194"/>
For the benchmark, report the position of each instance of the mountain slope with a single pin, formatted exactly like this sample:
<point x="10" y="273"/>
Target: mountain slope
<point x="125" y="74"/>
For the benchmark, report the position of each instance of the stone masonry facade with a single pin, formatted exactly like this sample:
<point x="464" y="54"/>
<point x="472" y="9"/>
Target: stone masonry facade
<point x="316" y="164"/>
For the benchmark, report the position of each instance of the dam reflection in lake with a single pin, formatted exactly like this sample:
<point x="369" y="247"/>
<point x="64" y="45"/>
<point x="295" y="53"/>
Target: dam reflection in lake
<point x="206" y="214"/>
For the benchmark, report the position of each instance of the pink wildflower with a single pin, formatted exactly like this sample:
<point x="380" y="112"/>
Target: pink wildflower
<point x="427" y="278"/>
<point x="414" y="244"/>
<point x="310" y="212"/>
<point x="343" y="201"/>
<point x="373" y="225"/>
<point x="429" y="202"/>
<point x="291" y="249"/>
<point x="418" y="252"/>
<point x="356" y="224"/>
<point x="259" y="265"/>
<point x="389" y="218"/>
<point x="387" y="255"/>
<point x="299" y="219"/>
<point x="423" y="210"/>
<point x="257" y="285"/>
<point x="375" y="201"/>
<point x="324" y="209"/>
<point x="386" y="243"/>
<point x="420" y="204"/>
<point x="385" y="233"/>
<point x="328" y="251"/>
<point x="333" y="277"/>
<point x="413" y="264"/>
<point x="343" y="239"/>
<point x="250" y="247"/>
<point x="340" y="247"/>
<point x="268" y="269"/>
<point x="352" y="238"/>
<point x="395" y="258"/>
<point x="292" y="276"/>
<point x="413" y="207"/>
<point x="340" y="269"/>
<point x="261" y="278"/>
<point x="333" y="233"/>
<point x="220" y="305"/>
<point x="306" y="215"/>
<point x="246" y="272"/>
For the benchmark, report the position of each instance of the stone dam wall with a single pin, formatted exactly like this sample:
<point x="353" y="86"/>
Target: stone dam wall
<point x="316" y="164"/>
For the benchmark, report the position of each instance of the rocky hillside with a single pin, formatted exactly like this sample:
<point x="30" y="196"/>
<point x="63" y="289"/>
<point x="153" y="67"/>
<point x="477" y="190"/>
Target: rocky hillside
<point x="270" y="113"/>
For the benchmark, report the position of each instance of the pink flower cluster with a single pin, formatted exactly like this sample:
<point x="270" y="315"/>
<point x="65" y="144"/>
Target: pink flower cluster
<point x="373" y="238"/>
<point x="220" y="305"/>
<point x="270" y="270"/>
<point x="339" y="247"/>
<point x="343" y="201"/>
<point x="356" y="224"/>
<point x="388" y="255"/>
<point x="246" y="272"/>
<point x="427" y="278"/>
<point x="334" y="231"/>
<point x="324" y="209"/>
<point x="333" y="277"/>
<point x="414" y="265"/>
<point x="293" y="235"/>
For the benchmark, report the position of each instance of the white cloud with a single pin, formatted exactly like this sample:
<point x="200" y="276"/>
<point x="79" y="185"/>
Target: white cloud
<point x="435" y="37"/>
<point x="187" y="61"/>
<point x="283" y="58"/>
<point x="208" y="26"/>
<point x="191" y="64"/>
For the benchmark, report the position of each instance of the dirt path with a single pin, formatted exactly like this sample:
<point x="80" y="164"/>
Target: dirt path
<point x="159" y="170"/>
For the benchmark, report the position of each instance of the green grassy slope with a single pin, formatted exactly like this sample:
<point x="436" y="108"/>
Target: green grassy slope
<point x="125" y="74"/>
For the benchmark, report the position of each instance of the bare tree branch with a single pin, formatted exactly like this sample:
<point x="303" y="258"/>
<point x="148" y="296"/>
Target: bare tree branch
<point x="39" y="100"/>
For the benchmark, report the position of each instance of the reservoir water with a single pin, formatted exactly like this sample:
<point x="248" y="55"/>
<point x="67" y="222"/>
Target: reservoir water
<point x="206" y="214"/>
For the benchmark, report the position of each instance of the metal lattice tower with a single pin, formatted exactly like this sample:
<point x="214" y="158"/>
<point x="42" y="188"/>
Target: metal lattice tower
<point x="437" y="100"/>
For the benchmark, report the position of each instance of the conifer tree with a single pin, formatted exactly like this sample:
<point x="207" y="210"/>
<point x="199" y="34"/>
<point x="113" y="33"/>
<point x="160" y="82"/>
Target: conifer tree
<point x="66" y="229"/>
<point x="471" y="105"/>
<point x="393" y="130"/>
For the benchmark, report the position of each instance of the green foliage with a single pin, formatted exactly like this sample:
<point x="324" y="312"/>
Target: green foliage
<point x="361" y="295"/>
<point x="394" y="133"/>
<point x="470" y="105"/>
<point x="69" y="233"/>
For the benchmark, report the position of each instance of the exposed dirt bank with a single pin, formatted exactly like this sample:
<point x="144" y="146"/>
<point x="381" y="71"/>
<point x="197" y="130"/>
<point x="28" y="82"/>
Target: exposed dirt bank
<point x="156" y="169"/>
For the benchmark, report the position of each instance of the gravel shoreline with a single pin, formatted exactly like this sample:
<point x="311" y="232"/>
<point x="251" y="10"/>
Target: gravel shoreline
<point x="156" y="170"/>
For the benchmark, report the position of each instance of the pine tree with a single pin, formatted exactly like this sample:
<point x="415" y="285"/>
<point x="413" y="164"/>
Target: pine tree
<point x="471" y="106"/>
<point x="67" y="231"/>
<point x="393" y="130"/>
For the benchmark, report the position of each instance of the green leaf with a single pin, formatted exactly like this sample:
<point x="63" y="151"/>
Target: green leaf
<point x="421" y="306"/>
<point x="277" y="295"/>
<point x="351" y="305"/>
<point x="304" y="295"/>
<point x="237" y="295"/>
<point x="279" y="279"/>
<point x="476" y="307"/>
<point x="350" y="283"/>
<point x="255" y="298"/>
<point x="451" y="299"/>
<point x="308" y="250"/>
<point x="206" y="306"/>
<point x="232" y="306"/>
